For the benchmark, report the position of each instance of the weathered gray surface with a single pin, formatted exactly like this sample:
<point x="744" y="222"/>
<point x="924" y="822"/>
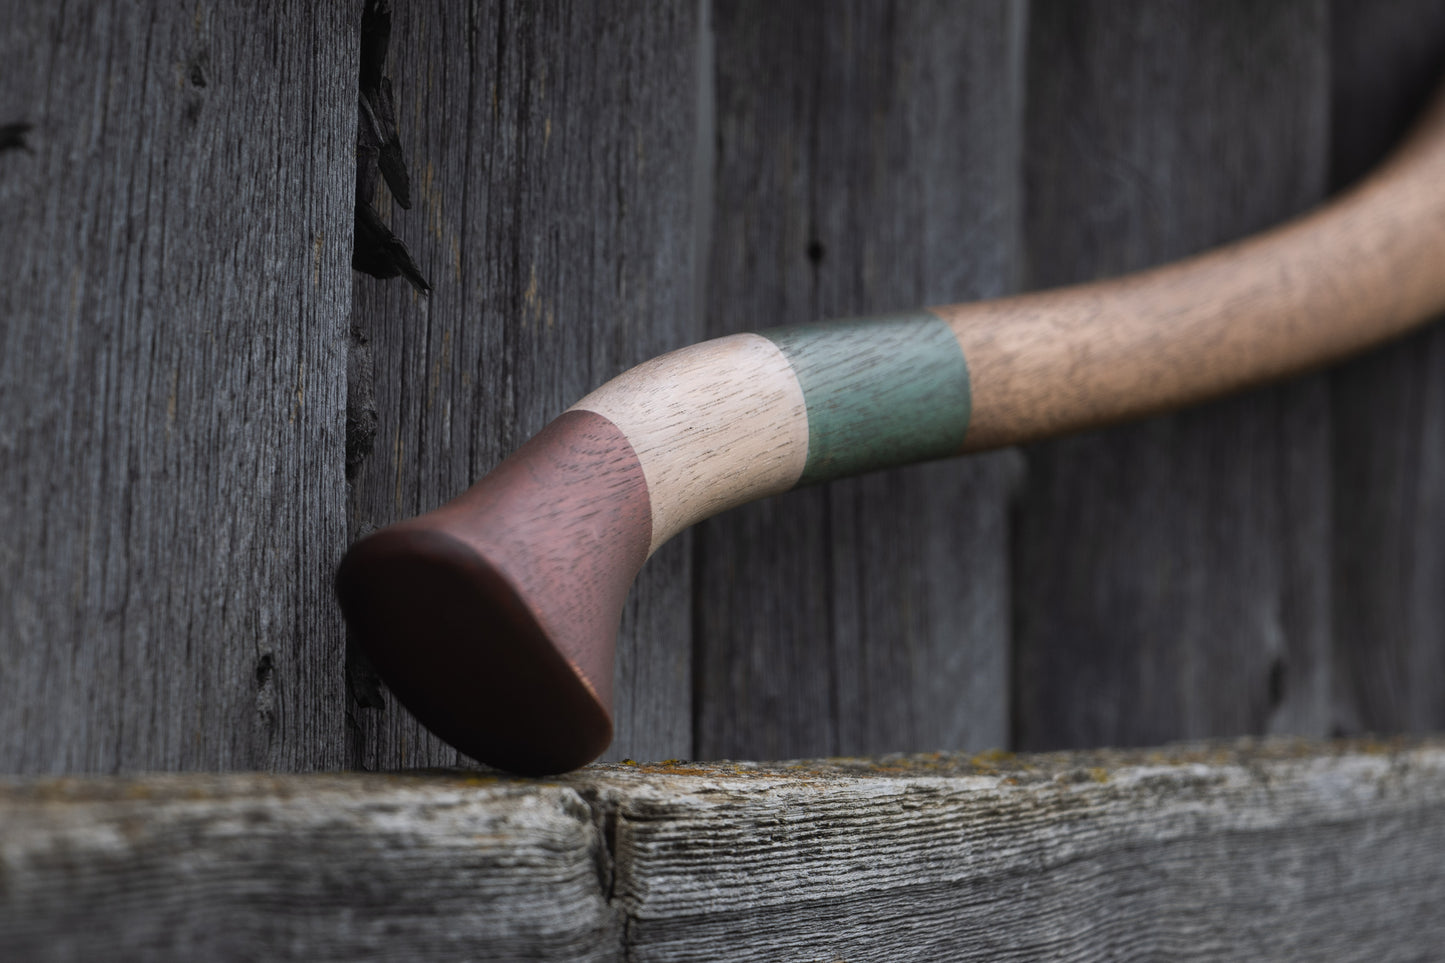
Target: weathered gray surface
<point x="1281" y="851"/>
<point x="253" y="867"/>
<point x="868" y="160"/>
<point x="551" y="149"/>
<point x="1388" y="414"/>
<point x="172" y="380"/>
<point x="1171" y="578"/>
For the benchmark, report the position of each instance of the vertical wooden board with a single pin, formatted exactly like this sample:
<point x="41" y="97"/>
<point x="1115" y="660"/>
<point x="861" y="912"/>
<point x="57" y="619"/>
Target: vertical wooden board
<point x="172" y="379"/>
<point x="1389" y="412"/>
<point x="551" y="150"/>
<point x="867" y="160"/>
<point x="1170" y="578"/>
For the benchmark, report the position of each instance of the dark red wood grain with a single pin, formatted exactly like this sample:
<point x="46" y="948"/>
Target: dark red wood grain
<point x="494" y="617"/>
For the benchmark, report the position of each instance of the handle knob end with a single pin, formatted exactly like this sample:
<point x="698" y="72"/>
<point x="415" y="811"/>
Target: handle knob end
<point x="494" y="617"/>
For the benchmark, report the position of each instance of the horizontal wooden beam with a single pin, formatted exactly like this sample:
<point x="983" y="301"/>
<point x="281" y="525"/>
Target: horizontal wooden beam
<point x="1245" y="850"/>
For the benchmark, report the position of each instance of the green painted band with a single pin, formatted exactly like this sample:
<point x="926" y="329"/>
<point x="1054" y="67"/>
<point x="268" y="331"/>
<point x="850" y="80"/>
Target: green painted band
<point x="880" y="391"/>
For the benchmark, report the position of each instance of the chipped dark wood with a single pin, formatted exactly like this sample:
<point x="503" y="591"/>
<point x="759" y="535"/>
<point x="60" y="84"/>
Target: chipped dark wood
<point x="1171" y="579"/>
<point x="551" y="154"/>
<point x="868" y="159"/>
<point x="376" y="124"/>
<point x="375" y="249"/>
<point x="172" y="384"/>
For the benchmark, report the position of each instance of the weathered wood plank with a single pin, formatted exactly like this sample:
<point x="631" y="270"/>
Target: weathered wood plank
<point x="1282" y="850"/>
<point x="172" y="381"/>
<point x="1174" y="855"/>
<point x="552" y="148"/>
<point x="1171" y="578"/>
<point x="868" y="160"/>
<point x="300" y="868"/>
<point x="1388" y="414"/>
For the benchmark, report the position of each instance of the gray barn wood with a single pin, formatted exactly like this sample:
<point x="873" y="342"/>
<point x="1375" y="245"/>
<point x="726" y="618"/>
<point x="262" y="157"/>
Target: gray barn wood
<point x="172" y="384"/>
<point x="317" y="867"/>
<point x="1275" y="851"/>
<point x="1171" y="578"/>
<point x="1388" y="414"/>
<point x="551" y="149"/>
<point x="868" y="160"/>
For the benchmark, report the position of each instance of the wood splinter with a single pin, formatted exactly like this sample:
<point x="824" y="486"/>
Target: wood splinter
<point x="493" y="618"/>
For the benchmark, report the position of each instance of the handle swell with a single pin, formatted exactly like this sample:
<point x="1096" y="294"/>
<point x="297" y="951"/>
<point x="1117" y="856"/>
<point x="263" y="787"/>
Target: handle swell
<point x="494" y="617"/>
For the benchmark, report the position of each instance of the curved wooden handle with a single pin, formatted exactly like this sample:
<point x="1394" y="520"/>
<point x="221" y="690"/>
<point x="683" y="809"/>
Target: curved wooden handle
<point x="494" y="617"/>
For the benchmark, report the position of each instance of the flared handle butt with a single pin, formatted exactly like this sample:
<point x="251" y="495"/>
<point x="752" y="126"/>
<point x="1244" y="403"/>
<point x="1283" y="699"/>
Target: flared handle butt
<point x="493" y="618"/>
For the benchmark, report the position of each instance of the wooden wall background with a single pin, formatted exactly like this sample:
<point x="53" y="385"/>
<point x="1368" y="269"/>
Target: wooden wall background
<point x="180" y="333"/>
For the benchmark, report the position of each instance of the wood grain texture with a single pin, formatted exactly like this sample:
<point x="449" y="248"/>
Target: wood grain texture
<point x="881" y="391"/>
<point x="1257" y="851"/>
<point x="315" y="867"/>
<point x="551" y="148"/>
<point x="1171" y="578"/>
<point x="714" y="425"/>
<point x="172" y="382"/>
<point x="867" y="159"/>
<point x="1387" y="415"/>
<point x="1173" y="855"/>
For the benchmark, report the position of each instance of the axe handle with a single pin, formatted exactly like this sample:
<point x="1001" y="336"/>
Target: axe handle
<point x="494" y="617"/>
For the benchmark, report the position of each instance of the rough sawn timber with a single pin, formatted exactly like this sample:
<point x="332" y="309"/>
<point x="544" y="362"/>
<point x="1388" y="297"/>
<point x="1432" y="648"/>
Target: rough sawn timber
<point x="1278" y="850"/>
<point x="315" y="867"/>
<point x="172" y="380"/>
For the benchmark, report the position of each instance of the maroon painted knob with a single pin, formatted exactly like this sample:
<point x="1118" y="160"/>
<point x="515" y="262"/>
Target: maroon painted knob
<point x="494" y="618"/>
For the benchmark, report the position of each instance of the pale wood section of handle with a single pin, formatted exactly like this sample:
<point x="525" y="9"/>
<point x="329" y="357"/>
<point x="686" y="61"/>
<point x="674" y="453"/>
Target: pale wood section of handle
<point x="715" y="425"/>
<point x="1366" y="267"/>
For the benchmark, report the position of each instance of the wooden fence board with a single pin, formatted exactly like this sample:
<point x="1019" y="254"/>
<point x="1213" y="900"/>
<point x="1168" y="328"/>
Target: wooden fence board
<point x="1281" y="850"/>
<point x="1388" y="414"/>
<point x="868" y="160"/>
<point x="552" y="151"/>
<point x="1171" y="578"/>
<point x="339" y="867"/>
<point x="172" y="382"/>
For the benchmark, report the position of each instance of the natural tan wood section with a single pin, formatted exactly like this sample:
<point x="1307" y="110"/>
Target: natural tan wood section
<point x="1281" y="850"/>
<point x="715" y="425"/>
<point x="1366" y="267"/>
